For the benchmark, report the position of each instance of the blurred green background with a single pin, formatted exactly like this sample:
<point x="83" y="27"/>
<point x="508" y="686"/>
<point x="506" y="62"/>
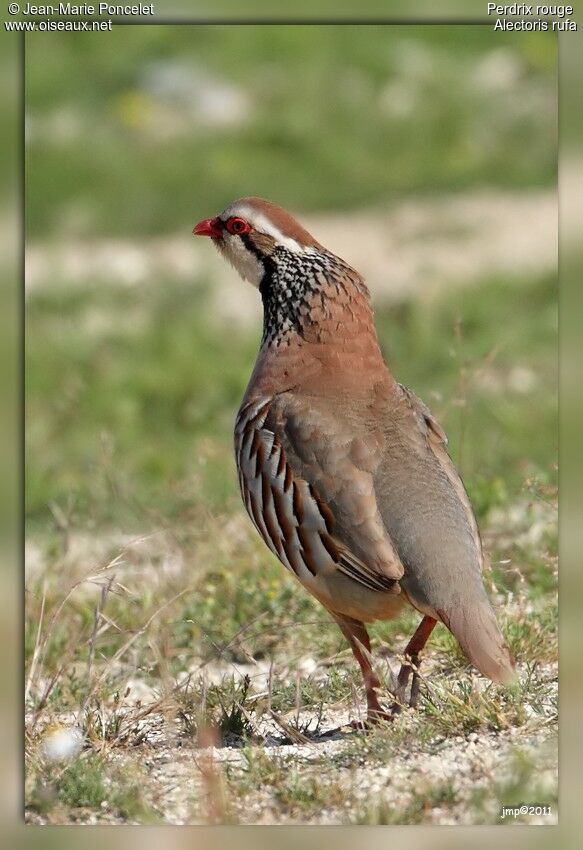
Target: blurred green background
<point x="136" y="131"/>
<point x="133" y="379"/>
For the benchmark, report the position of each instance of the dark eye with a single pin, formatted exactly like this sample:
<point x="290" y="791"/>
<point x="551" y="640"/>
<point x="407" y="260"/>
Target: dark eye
<point x="238" y="226"/>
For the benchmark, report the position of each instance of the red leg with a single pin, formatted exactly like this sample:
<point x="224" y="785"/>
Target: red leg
<point x="412" y="662"/>
<point x="357" y="636"/>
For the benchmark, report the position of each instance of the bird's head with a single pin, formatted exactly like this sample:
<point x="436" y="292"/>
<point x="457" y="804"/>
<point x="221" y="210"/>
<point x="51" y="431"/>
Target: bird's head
<point x="254" y="234"/>
<point x="306" y="290"/>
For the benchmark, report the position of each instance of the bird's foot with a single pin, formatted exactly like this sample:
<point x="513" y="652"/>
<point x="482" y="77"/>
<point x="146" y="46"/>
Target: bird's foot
<point x="379" y="716"/>
<point x="401" y="700"/>
<point x="375" y="717"/>
<point x="359" y="725"/>
<point x="399" y="703"/>
<point x="414" y="696"/>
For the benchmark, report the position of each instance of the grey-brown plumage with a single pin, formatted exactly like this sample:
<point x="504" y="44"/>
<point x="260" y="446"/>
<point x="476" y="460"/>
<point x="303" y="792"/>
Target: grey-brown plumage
<point x="344" y="472"/>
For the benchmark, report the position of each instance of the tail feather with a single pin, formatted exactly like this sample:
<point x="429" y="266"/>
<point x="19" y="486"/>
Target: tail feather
<point x="480" y="637"/>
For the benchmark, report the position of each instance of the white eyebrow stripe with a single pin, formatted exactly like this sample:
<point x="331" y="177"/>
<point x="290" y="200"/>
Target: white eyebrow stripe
<point x="262" y="223"/>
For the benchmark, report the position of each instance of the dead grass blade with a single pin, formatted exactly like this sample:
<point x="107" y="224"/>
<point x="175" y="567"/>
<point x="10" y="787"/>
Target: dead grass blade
<point x="36" y="652"/>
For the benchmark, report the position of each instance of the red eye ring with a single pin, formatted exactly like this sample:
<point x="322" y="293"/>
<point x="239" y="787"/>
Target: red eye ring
<point x="237" y="226"/>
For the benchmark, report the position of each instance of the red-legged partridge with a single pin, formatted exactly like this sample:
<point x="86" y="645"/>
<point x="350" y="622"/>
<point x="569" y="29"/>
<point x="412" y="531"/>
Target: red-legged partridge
<point x="344" y="472"/>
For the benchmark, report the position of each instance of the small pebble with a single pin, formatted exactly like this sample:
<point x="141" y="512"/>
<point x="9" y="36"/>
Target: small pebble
<point x="62" y="743"/>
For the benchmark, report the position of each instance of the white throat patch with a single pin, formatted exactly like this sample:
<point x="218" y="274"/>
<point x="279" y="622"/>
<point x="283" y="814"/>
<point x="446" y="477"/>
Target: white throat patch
<point x="245" y="262"/>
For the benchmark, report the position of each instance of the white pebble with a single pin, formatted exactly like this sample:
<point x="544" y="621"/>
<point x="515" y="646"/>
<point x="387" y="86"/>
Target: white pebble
<point x="62" y="743"/>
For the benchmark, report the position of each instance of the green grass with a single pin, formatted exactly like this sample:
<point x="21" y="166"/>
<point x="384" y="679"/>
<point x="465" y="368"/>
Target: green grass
<point x="338" y="117"/>
<point x="418" y="810"/>
<point x="87" y="784"/>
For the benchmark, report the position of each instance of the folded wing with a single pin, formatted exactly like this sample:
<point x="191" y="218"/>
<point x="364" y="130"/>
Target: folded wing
<point x="310" y="493"/>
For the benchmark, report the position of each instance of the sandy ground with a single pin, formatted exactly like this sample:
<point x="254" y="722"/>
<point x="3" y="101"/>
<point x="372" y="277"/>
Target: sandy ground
<point x="181" y="774"/>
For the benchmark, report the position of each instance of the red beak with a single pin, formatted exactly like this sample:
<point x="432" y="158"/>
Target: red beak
<point x="209" y="227"/>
